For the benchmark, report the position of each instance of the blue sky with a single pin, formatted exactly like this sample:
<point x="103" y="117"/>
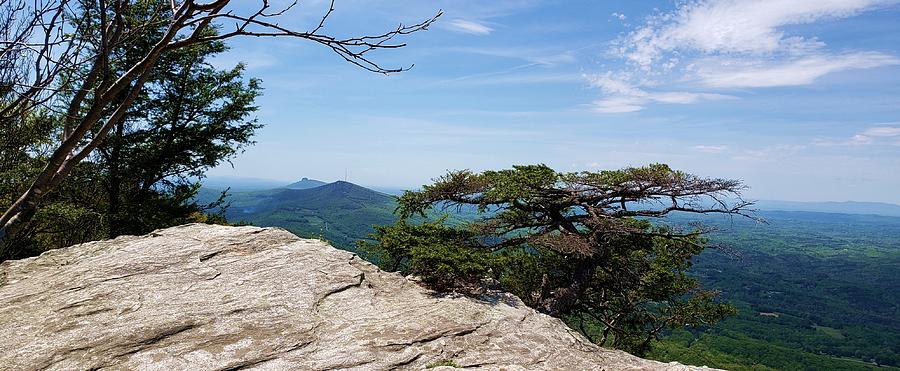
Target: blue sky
<point x="798" y="98"/>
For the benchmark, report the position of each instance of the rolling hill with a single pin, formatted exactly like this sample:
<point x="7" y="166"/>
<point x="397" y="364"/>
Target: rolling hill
<point x="339" y="212"/>
<point x="846" y="207"/>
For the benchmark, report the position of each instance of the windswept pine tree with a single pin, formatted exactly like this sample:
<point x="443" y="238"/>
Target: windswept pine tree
<point x="578" y="246"/>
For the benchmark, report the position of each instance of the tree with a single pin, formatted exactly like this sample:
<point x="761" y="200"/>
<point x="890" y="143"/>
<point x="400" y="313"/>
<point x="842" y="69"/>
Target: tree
<point x="144" y="176"/>
<point x="59" y="55"/>
<point x="579" y="246"/>
<point x="189" y="118"/>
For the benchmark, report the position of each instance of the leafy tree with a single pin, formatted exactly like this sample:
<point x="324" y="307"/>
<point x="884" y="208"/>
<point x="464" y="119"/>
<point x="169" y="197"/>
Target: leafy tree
<point x="579" y="246"/>
<point x="188" y="117"/>
<point x="61" y="55"/>
<point x="24" y="143"/>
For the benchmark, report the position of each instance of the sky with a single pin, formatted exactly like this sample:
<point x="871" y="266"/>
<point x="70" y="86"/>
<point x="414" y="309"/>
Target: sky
<point x="799" y="99"/>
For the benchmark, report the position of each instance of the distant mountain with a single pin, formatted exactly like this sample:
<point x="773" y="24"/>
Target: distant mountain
<point x="341" y="212"/>
<point x="849" y="207"/>
<point x="239" y="184"/>
<point x="393" y="191"/>
<point x="306" y="183"/>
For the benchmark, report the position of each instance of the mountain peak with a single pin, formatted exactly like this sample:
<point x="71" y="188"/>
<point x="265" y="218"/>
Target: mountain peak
<point x="342" y="183"/>
<point x="305" y="183"/>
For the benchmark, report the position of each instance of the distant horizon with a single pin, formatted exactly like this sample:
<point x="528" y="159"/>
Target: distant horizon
<point x="377" y="187"/>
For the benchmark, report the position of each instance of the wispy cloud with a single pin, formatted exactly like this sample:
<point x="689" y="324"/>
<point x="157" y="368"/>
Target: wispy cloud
<point x="508" y="77"/>
<point x="622" y="96"/>
<point x="731" y="44"/>
<point x="773" y="152"/>
<point x="719" y="73"/>
<point x="710" y="149"/>
<point x="470" y="27"/>
<point x="542" y="56"/>
<point x="736" y="27"/>
<point x="883" y="134"/>
<point x="883" y="131"/>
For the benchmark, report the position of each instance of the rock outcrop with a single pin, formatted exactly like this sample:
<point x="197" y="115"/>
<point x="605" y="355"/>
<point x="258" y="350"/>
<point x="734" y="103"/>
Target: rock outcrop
<point x="201" y="297"/>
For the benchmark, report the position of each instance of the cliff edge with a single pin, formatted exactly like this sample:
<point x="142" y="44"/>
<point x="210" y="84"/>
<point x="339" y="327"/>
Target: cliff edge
<point x="205" y="297"/>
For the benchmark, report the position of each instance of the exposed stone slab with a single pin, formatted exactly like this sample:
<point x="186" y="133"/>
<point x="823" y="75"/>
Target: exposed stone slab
<point x="204" y="297"/>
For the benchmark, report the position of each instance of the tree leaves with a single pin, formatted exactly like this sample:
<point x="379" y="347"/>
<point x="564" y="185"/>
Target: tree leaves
<point x="574" y="245"/>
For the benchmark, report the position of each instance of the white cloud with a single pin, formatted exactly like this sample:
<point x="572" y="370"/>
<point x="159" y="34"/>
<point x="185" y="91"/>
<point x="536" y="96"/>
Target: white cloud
<point x="471" y="27"/>
<point x="618" y="105"/>
<point x="774" y="152"/>
<point x="730" y="44"/>
<point x="710" y="149"/>
<point x="619" y="16"/>
<point x="622" y="96"/>
<point x="860" y="139"/>
<point x="736" y="26"/>
<point x="876" y="135"/>
<point x="882" y="131"/>
<point x="541" y="56"/>
<point x="506" y="78"/>
<point x="856" y="140"/>
<point x="730" y="73"/>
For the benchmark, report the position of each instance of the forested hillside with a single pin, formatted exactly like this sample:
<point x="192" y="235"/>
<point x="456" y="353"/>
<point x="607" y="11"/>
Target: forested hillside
<point x="339" y="212"/>
<point x="807" y="285"/>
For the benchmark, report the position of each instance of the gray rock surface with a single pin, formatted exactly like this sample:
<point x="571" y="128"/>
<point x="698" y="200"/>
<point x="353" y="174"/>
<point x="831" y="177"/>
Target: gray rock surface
<point x="201" y="297"/>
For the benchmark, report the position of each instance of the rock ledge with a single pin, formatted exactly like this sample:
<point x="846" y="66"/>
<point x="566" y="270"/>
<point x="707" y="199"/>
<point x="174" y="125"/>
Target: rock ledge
<point x="204" y="297"/>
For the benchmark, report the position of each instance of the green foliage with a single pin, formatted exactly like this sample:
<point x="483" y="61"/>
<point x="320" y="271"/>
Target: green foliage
<point x="741" y="352"/>
<point x="189" y="117"/>
<point x="831" y="278"/>
<point x="567" y="244"/>
<point x="341" y="212"/>
<point x="25" y="141"/>
<point x="434" y="252"/>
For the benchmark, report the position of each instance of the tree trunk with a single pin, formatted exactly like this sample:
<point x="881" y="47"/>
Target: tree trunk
<point x="18" y="215"/>
<point x="67" y="155"/>
<point x="563" y="299"/>
<point x="114" y="191"/>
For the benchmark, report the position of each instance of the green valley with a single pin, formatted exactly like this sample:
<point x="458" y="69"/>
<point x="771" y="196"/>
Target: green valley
<point x="814" y="291"/>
